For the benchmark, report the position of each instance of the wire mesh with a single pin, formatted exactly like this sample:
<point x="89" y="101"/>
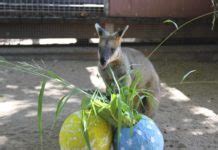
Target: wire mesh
<point x="50" y="8"/>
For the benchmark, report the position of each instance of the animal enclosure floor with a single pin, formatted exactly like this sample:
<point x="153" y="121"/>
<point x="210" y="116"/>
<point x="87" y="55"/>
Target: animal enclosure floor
<point x="187" y="115"/>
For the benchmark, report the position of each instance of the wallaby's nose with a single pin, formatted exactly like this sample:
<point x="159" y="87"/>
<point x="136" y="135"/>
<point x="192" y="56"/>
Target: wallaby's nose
<point x="102" y="61"/>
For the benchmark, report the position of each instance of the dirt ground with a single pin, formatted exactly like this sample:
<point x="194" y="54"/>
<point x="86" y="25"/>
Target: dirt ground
<point x="187" y="115"/>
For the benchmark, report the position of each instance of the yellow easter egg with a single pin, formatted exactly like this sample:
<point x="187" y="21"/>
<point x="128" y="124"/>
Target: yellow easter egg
<point x="71" y="133"/>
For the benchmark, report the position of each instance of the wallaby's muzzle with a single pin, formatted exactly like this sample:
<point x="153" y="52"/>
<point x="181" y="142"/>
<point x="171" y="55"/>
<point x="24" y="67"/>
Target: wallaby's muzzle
<point x="104" y="56"/>
<point x="103" y="61"/>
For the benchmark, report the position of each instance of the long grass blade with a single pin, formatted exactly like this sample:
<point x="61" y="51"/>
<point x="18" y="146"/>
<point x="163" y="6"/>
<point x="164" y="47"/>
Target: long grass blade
<point x="115" y="79"/>
<point x="186" y="75"/>
<point x="215" y="15"/>
<point x="171" y="22"/>
<point x="39" y="114"/>
<point x="59" y="108"/>
<point x="40" y="72"/>
<point x="85" y="130"/>
<point x="118" y="106"/>
<point x="62" y="102"/>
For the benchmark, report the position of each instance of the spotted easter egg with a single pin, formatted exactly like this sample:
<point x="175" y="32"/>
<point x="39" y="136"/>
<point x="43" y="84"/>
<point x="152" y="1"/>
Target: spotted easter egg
<point x="145" y="135"/>
<point x="71" y="134"/>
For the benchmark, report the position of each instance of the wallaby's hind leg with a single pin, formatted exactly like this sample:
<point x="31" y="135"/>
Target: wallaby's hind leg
<point x="150" y="104"/>
<point x="148" y="107"/>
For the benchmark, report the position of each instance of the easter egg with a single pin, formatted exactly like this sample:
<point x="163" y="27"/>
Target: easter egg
<point x="145" y="135"/>
<point x="71" y="133"/>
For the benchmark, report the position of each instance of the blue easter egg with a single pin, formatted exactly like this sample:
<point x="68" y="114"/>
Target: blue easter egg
<point x="145" y="135"/>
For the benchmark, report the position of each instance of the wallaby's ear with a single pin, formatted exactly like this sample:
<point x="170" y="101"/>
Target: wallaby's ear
<point x="99" y="30"/>
<point x="121" y="32"/>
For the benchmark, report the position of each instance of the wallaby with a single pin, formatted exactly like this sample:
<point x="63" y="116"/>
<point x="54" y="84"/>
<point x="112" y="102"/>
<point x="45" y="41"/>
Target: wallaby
<point x="124" y="61"/>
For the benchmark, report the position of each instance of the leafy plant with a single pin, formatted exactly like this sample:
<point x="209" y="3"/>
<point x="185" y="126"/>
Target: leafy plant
<point x="119" y="110"/>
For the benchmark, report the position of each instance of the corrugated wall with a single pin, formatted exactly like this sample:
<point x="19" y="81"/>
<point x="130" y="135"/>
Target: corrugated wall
<point x="158" y="8"/>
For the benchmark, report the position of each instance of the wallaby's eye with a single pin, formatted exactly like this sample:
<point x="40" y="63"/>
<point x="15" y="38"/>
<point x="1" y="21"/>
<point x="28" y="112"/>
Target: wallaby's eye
<point x="99" y="49"/>
<point x="100" y="32"/>
<point x="112" y="50"/>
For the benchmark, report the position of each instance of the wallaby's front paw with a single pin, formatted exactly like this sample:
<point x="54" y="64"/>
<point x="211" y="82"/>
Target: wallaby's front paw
<point x="89" y="91"/>
<point x="148" y="108"/>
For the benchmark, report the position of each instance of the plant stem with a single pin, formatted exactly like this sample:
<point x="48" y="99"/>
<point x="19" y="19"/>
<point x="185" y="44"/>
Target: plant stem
<point x="181" y="26"/>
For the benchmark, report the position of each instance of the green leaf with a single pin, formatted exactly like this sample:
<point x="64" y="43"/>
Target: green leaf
<point x="60" y="107"/>
<point x="215" y="14"/>
<point x="84" y="128"/>
<point x="168" y="21"/>
<point x="114" y="79"/>
<point x="119" y="106"/>
<point x="62" y="102"/>
<point x="86" y="103"/>
<point x="186" y="75"/>
<point x="39" y="114"/>
<point x="93" y="98"/>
